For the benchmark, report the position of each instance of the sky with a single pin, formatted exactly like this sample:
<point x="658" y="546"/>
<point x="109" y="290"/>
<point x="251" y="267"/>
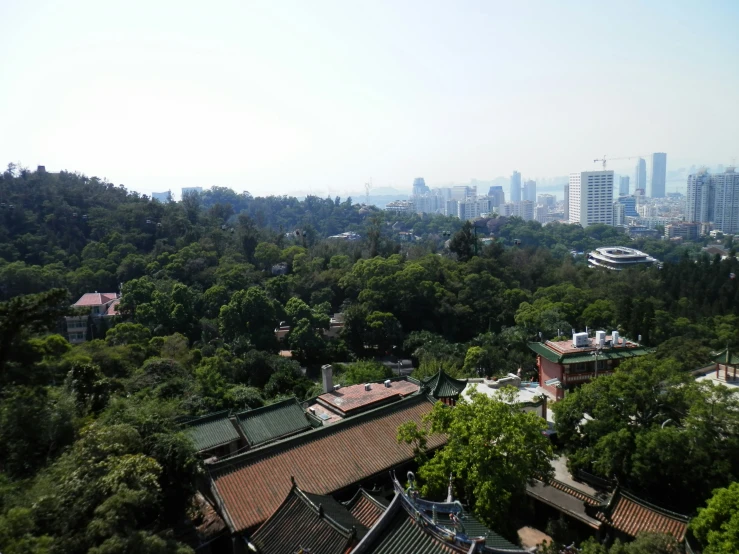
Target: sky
<point x="295" y="97"/>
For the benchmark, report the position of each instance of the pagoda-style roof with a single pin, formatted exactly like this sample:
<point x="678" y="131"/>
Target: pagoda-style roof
<point x="726" y="357"/>
<point x="249" y="487"/>
<point x="366" y="507"/>
<point x="442" y="385"/>
<point x="632" y="515"/>
<point x="211" y="431"/>
<point x="273" y="422"/>
<point x="557" y="354"/>
<point x="310" y="523"/>
<point x="413" y="525"/>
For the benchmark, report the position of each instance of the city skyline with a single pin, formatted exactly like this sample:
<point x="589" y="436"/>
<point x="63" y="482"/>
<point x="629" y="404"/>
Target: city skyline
<point x="288" y="98"/>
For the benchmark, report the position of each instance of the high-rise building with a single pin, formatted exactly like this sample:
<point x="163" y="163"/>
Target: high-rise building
<point x="640" y="175"/>
<point x="591" y="198"/>
<point x="700" y="201"/>
<point x="629" y="203"/>
<point x="450" y="207"/>
<point x="516" y="187"/>
<point x="497" y="195"/>
<point x="548" y="200"/>
<point x="618" y="213"/>
<point x="162" y="196"/>
<point x="419" y="186"/>
<point x="524" y="209"/>
<point x="658" y="176"/>
<point x="623" y="186"/>
<point x="191" y="190"/>
<point x="567" y="203"/>
<point x="726" y="201"/>
<point x="529" y="191"/>
<point x="461" y="192"/>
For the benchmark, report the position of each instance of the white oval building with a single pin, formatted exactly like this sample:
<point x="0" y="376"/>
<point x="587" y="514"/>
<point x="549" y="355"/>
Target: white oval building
<point x="618" y="258"/>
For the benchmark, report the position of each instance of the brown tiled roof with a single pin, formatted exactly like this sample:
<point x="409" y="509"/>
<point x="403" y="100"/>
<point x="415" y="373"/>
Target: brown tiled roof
<point x="301" y="523"/>
<point x="249" y="487"/>
<point x="347" y="400"/>
<point x="572" y="491"/>
<point x="113" y="308"/>
<point x="96" y="298"/>
<point x="366" y="508"/>
<point x="631" y="515"/>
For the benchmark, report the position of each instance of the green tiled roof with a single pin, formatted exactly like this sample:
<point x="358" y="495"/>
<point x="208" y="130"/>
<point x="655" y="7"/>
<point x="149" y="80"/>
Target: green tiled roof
<point x="211" y="430"/>
<point x="442" y="385"/>
<point x="273" y="422"/>
<point x="587" y="356"/>
<point x="726" y="357"/>
<point x="405" y="535"/>
<point x="473" y="528"/>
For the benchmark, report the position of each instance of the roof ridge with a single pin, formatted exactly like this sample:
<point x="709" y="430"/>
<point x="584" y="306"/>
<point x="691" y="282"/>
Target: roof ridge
<point x="314" y="434"/>
<point x="348" y="531"/>
<point x="207" y="418"/>
<point x="658" y="509"/>
<point x="270" y="407"/>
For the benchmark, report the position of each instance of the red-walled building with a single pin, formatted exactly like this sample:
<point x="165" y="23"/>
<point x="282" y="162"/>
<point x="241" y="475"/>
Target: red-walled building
<point x="563" y="366"/>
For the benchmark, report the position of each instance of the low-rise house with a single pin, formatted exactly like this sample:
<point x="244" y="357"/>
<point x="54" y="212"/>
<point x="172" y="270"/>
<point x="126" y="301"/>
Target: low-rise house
<point x="102" y="306"/>
<point x="566" y="365"/>
<point x="530" y="397"/>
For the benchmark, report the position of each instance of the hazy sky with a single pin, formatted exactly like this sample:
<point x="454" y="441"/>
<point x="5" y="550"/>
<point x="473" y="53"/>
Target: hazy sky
<point x="276" y="97"/>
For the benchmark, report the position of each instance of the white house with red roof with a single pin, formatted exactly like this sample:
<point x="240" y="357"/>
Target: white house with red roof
<point x="101" y="305"/>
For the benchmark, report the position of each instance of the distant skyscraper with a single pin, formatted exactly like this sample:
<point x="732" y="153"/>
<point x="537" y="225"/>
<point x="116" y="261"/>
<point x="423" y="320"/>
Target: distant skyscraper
<point x="162" y="196"/>
<point x="516" y="187"/>
<point x="658" y="176"/>
<point x="191" y="190"/>
<point x="497" y="195"/>
<point x="591" y="198"/>
<point x="640" y="175"/>
<point x="567" y="202"/>
<point x="629" y="203"/>
<point x="726" y="201"/>
<point x="618" y="213"/>
<point x="419" y="187"/>
<point x="529" y="191"/>
<point x="623" y="186"/>
<point x="524" y="210"/>
<point x="460" y="193"/>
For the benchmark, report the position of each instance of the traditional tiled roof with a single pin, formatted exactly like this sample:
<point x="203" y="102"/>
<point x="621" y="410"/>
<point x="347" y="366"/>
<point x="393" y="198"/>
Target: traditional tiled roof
<point x="726" y="357"/>
<point x="273" y="422"/>
<point x="442" y="385"/>
<point x="355" y="398"/>
<point x="95" y="298"/>
<point x="366" y="508"/>
<point x="586" y="356"/>
<point x="303" y="522"/>
<point x="249" y="487"/>
<point x="410" y="524"/>
<point x="631" y="515"/>
<point x="403" y="535"/>
<point x="211" y="430"/>
<point x="113" y="308"/>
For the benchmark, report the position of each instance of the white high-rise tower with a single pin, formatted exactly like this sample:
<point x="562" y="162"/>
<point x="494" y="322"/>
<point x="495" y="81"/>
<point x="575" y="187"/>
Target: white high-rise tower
<point x="591" y="198"/>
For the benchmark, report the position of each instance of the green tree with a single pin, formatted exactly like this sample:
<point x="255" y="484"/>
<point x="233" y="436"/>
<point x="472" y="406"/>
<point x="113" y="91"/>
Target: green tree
<point x="493" y="449"/>
<point x="307" y="342"/>
<point x="383" y="330"/>
<point x="251" y="316"/>
<point x="463" y="243"/>
<point x="364" y="372"/>
<point x="717" y="524"/>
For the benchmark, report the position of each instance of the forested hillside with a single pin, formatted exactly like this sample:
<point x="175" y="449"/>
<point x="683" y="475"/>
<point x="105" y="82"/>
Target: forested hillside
<point x="92" y="458"/>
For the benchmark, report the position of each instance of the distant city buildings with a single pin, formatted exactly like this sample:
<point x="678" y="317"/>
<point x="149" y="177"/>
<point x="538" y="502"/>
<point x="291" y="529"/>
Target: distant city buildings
<point x="567" y="203"/>
<point x="658" y="176"/>
<point x="640" y="175"/>
<point x="419" y="187"/>
<point x="162" y="196"/>
<point x="548" y="200"/>
<point x="529" y="191"/>
<point x="400" y="206"/>
<point x="497" y="195"/>
<point x="623" y="186"/>
<point x="629" y="203"/>
<point x="191" y="190"/>
<point x="619" y="217"/>
<point x="687" y="231"/>
<point x="714" y="199"/>
<point x="516" y="187"/>
<point x="591" y="198"/>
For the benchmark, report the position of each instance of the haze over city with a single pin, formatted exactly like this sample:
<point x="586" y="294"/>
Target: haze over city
<point x="294" y="98"/>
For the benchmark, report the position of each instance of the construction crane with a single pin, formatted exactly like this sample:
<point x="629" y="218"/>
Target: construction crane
<point x="603" y="159"/>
